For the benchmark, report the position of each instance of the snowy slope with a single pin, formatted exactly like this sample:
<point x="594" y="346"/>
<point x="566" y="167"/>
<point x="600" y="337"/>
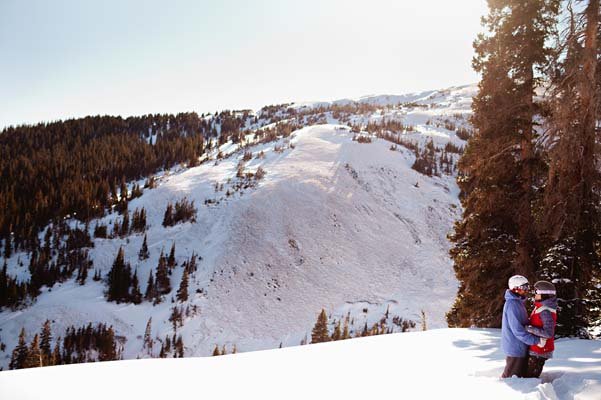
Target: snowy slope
<point x="437" y="364"/>
<point x="335" y="224"/>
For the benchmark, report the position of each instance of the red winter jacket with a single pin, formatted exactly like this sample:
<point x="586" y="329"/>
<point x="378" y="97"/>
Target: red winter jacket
<point x="543" y="320"/>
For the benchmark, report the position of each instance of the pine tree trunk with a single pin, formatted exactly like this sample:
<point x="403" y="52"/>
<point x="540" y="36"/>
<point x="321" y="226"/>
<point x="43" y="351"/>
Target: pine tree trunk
<point x="588" y="169"/>
<point x="524" y="264"/>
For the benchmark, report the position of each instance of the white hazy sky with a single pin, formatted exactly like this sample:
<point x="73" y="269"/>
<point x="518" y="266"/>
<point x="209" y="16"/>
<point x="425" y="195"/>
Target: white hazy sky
<point x="62" y="58"/>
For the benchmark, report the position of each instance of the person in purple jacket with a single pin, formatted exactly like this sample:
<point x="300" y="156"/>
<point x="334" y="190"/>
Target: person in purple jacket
<point x="515" y="340"/>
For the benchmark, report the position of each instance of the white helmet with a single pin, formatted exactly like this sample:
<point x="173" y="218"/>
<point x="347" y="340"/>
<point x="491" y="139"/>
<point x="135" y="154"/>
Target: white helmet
<point x="517" y="281"/>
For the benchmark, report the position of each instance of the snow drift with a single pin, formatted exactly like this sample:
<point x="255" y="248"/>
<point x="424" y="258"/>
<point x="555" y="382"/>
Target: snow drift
<point x="437" y="364"/>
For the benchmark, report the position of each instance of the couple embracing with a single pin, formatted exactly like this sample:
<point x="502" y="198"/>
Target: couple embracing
<point x="528" y="342"/>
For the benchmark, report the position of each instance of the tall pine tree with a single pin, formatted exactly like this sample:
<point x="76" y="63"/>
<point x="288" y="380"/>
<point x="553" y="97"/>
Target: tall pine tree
<point x="495" y="238"/>
<point x="570" y="225"/>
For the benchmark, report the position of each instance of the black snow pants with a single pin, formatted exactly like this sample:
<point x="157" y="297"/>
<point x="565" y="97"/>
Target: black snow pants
<point x="535" y="366"/>
<point x="515" y="366"/>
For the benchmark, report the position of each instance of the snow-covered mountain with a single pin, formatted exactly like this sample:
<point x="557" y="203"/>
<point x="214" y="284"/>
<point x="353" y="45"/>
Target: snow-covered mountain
<point x="437" y="364"/>
<point x="335" y="223"/>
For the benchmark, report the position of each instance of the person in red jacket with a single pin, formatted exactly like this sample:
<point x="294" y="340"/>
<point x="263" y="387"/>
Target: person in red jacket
<point x="542" y="323"/>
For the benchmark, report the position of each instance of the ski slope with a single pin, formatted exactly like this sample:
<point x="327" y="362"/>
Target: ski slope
<point x="335" y="224"/>
<point x="436" y="364"/>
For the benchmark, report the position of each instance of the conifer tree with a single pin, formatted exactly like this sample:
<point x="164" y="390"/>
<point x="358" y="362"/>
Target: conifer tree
<point x="168" y="217"/>
<point x="171" y="259"/>
<point x="182" y="292"/>
<point x="123" y="190"/>
<point x="179" y="347"/>
<point x="19" y="354"/>
<point x="365" y="331"/>
<point x="108" y="351"/>
<point x="142" y="224"/>
<point x="34" y="356"/>
<point x="176" y="318"/>
<point x="320" y="330"/>
<point x="495" y="237"/>
<point x="163" y="283"/>
<point x="56" y="358"/>
<point x="571" y="223"/>
<point x="82" y="273"/>
<point x="148" y="342"/>
<point x="45" y="343"/>
<point x="167" y="344"/>
<point x="337" y="335"/>
<point x="7" y="248"/>
<point x="345" y="332"/>
<point x="192" y="264"/>
<point x="125" y="224"/>
<point x="216" y="351"/>
<point x="116" y="229"/>
<point x="119" y="279"/>
<point x="144" y="253"/>
<point x="136" y="294"/>
<point x="136" y="191"/>
<point x="150" y="288"/>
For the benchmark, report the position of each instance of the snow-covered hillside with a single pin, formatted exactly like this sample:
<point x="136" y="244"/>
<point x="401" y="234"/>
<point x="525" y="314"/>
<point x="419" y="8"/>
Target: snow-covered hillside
<point x="437" y="364"/>
<point x="336" y="224"/>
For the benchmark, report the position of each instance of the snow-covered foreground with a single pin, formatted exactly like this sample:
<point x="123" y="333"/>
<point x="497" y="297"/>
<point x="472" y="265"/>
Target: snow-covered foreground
<point x="439" y="364"/>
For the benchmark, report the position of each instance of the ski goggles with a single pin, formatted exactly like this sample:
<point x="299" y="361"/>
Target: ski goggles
<point x="542" y="291"/>
<point x="525" y="287"/>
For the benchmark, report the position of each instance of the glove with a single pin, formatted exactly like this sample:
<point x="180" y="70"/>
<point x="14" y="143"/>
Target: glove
<point x="542" y="342"/>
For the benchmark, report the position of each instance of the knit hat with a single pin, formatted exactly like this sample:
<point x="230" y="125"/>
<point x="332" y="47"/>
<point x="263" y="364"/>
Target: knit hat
<point x="544" y="287"/>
